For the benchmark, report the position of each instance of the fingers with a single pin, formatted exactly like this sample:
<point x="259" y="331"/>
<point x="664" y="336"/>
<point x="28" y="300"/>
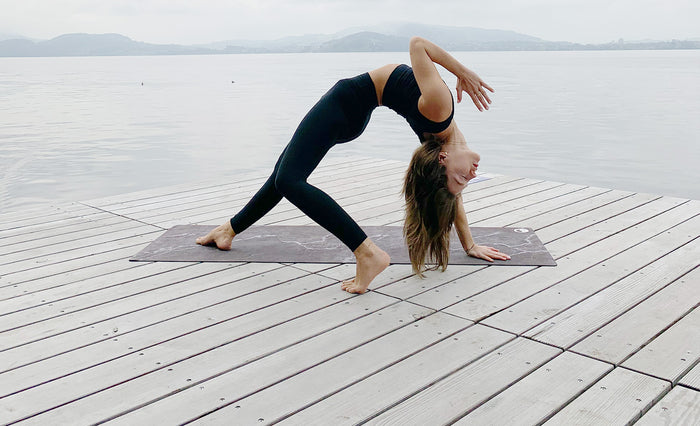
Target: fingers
<point x="490" y="253"/>
<point x="479" y="97"/>
<point x="483" y="98"/>
<point x="496" y="254"/>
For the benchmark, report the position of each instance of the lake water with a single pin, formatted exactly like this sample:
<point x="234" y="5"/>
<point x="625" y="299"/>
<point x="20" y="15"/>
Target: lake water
<point x="80" y="128"/>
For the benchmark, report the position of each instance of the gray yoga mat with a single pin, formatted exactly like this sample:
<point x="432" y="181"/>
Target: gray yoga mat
<point x="313" y="244"/>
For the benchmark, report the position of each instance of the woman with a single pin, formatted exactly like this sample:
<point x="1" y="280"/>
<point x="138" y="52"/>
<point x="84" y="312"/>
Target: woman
<point x="438" y="172"/>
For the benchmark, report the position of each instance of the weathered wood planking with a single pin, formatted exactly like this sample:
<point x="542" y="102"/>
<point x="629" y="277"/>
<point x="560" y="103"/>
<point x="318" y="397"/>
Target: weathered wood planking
<point x="692" y="379"/>
<point x="217" y="183"/>
<point x="402" y="380"/>
<point x="618" y="398"/>
<point x="226" y="203"/>
<point x="540" y="394"/>
<point x="626" y="334"/>
<point x="246" y="399"/>
<point x="673" y="353"/>
<point x="243" y="345"/>
<point x="543" y="305"/>
<point x="520" y="288"/>
<point x="681" y="406"/>
<point x="471" y="386"/>
<point x="568" y="327"/>
<point x="89" y="336"/>
<point x="456" y="291"/>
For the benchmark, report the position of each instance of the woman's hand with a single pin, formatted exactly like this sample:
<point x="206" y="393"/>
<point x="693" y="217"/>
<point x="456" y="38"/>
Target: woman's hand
<point x="487" y="253"/>
<point x="469" y="82"/>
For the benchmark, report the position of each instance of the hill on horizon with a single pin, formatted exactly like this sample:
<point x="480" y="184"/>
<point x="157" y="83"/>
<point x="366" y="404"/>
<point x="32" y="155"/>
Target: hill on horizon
<point x="380" y="38"/>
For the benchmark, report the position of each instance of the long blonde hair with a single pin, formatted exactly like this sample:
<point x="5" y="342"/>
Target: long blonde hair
<point x="430" y="208"/>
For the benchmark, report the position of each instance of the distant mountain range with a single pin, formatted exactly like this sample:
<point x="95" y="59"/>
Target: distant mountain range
<point x="384" y="38"/>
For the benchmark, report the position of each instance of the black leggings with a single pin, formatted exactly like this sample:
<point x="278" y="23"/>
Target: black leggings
<point x="341" y="115"/>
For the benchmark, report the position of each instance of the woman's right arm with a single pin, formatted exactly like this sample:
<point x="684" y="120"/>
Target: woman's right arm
<point x="425" y="54"/>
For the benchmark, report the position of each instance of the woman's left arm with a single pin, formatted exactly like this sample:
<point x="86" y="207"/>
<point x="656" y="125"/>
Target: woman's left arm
<point x="465" y="237"/>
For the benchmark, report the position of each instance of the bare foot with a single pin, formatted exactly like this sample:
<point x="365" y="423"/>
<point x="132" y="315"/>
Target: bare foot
<point x="371" y="261"/>
<point x="221" y="236"/>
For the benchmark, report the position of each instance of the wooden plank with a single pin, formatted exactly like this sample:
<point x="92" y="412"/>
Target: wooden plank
<point x="508" y="193"/>
<point x="43" y="231"/>
<point x="517" y="289"/>
<point x="402" y="380"/>
<point x="450" y="398"/>
<point x="618" y="398"/>
<point x="547" y="206"/>
<point x="543" y="305"/>
<point x="81" y="249"/>
<point x="130" y="271"/>
<point x="230" y="202"/>
<point x="240" y="192"/>
<point x="89" y="235"/>
<point x="56" y="275"/>
<point x="570" y="326"/>
<point x="136" y="197"/>
<point x="52" y="214"/>
<point x="150" y="373"/>
<point x="243" y="191"/>
<point x="673" y="353"/>
<point x="150" y="194"/>
<point x="187" y="289"/>
<point x="77" y="260"/>
<point x="187" y="334"/>
<point x="572" y="210"/>
<point x="390" y="275"/>
<point x="636" y="218"/>
<point x="222" y="210"/>
<point x="412" y="285"/>
<point x="445" y="293"/>
<point x="505" y="206"/>
<point x="559" y="229"/>
<point x="540" y="394"/>
<point x="681" y="406"/>
<point x="495" y="202"/>
<point x="692" y="379"/>
<point x="357" y="207"/>
<point x="455" y="291"/>
<point x="337" y="361"/>
<point x="632" y="330"/>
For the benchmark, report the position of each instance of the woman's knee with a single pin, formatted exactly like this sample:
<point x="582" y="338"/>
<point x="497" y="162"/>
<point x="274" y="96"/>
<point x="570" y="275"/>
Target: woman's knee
<point x="286" y="184"/>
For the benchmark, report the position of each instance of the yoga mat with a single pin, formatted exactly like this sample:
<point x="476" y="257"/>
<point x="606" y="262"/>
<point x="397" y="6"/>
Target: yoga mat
<point x="313" y="244"/>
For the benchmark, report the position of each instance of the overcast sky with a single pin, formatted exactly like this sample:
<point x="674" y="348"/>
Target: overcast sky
<point x="202" y="21"/>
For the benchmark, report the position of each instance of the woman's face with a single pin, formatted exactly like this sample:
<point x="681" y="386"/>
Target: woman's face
<point x="460" y="166"/>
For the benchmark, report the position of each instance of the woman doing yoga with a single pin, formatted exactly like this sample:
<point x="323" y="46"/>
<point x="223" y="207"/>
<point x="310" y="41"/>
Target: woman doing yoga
<point x="438" y="172"/>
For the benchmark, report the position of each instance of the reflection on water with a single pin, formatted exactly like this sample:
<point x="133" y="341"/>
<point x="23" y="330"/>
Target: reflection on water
<point x="81" y="128"/>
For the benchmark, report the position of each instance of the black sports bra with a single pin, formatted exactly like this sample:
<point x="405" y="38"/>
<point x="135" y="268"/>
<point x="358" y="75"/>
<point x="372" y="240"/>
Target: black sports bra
<point x="401" y="94"/>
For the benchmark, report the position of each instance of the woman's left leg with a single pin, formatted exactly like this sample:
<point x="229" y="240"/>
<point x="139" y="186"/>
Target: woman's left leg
<point x="310" y="143"/>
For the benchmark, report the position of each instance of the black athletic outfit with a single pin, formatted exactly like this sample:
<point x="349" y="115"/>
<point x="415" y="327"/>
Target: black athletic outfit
<point x="341" y="115"/>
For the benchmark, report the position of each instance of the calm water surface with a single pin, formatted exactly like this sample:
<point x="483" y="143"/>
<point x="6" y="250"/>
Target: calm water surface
<point x="81" y="128"/>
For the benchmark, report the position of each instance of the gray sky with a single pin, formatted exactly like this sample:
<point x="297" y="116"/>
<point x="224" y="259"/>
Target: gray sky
<point x="202" y="21"/>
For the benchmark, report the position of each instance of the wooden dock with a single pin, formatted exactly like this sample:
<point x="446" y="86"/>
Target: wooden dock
<point x="609" y="336"/>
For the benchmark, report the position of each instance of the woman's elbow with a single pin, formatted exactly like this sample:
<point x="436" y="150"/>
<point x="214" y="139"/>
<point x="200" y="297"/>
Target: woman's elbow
<point x="415" y="42"/>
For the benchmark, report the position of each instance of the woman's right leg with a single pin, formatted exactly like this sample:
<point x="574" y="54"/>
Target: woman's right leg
<point x="262" y="202"/>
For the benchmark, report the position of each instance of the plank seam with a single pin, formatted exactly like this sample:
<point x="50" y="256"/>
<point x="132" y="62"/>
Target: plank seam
<point x="262" y="356"/>
<point x="141" y="309"/>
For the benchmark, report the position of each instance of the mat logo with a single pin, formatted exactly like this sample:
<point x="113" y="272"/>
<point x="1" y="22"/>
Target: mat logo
<point x="521" y="230"/>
